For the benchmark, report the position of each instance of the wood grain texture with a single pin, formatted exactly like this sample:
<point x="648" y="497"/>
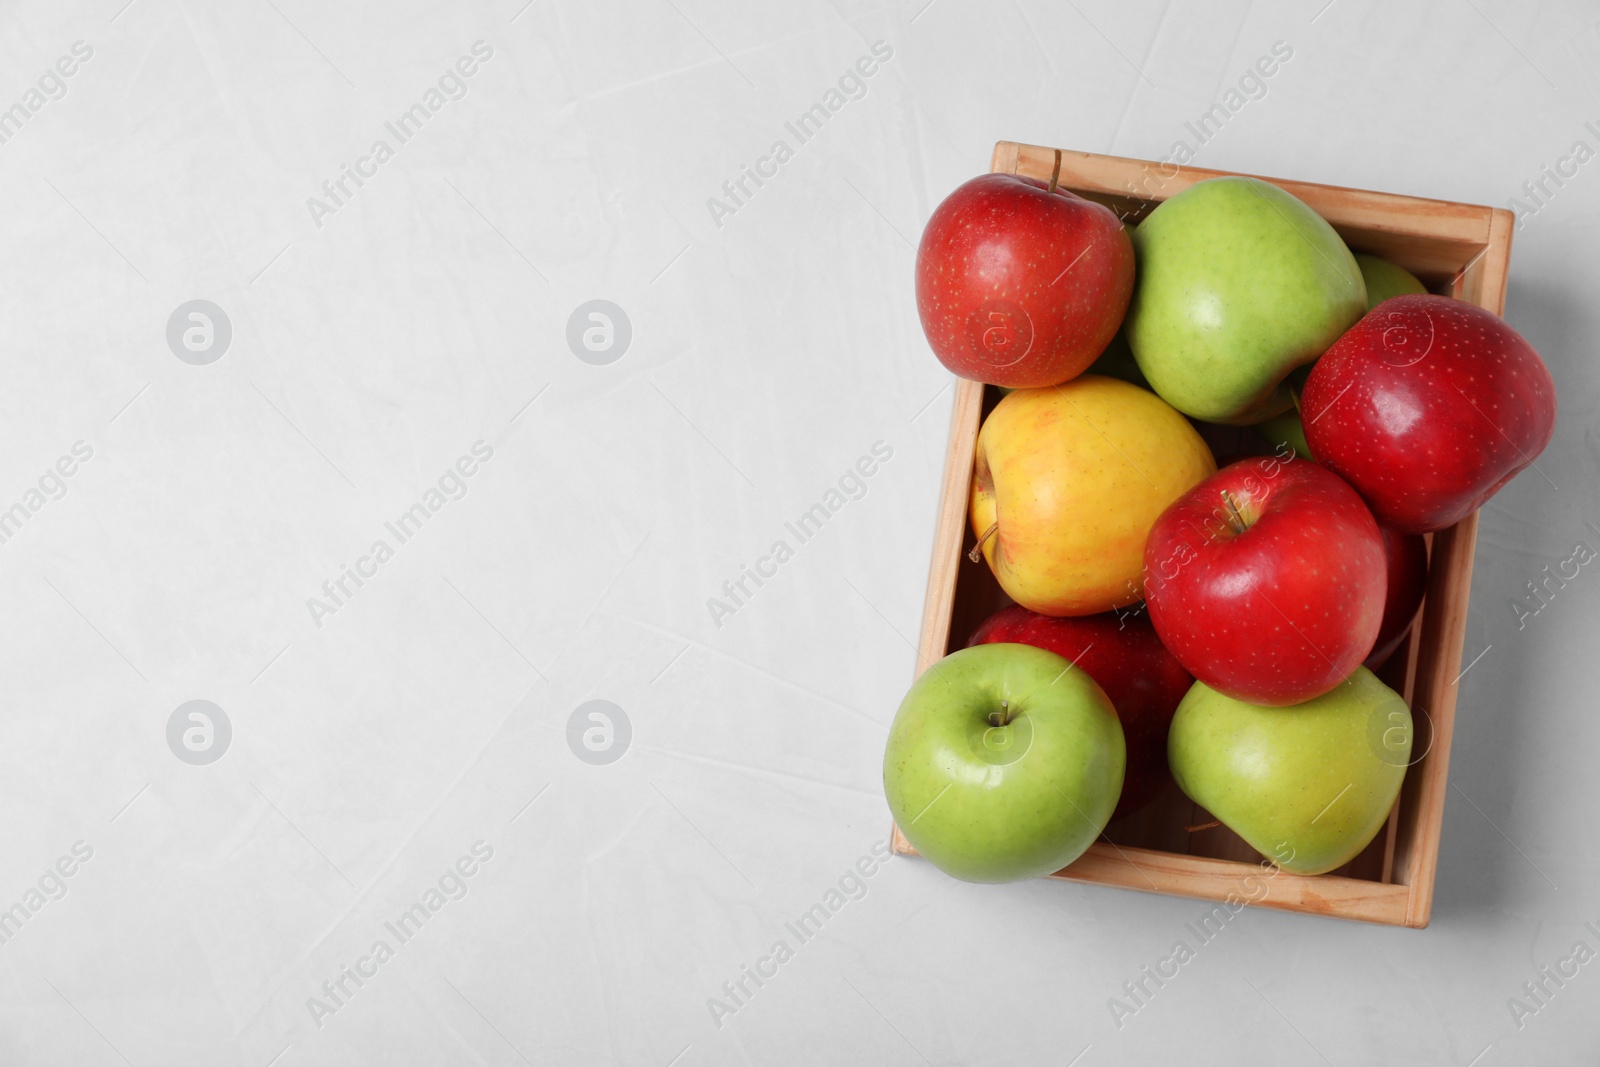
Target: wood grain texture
<point x="939" y="601"/>
<point x="1229" y="881"/>
<point x="1462" y="250"/>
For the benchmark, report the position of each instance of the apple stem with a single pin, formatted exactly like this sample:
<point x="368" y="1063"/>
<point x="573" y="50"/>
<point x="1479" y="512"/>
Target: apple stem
<point x="1212" y="825"/>
<point x="977" y="550"/>
<point x="1001" y="717"/>
<point x="1055" y="173"/>
<point x="1235" y="519"/>
<point x="1294" y="398"/>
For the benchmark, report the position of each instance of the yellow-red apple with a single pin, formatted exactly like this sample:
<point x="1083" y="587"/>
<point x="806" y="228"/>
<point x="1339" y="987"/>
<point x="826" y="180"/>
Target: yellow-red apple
<point x="1071" y="478"/>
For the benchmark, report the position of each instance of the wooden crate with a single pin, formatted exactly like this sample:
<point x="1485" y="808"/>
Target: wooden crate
<point x="1461" y="250"/>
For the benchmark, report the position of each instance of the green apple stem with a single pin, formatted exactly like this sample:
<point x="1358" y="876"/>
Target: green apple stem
<point x="1235" y="517"/>
<point x="1294" y="398"/>
<point x="1212" y="825"/>
<point x="1055" y="173"/>
<point x="1001" y="717"/>
<point x="977" y="550"/>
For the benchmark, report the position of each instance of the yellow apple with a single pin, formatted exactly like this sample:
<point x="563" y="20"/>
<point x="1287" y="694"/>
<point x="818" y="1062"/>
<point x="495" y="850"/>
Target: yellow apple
<point x="1072" y="477"/>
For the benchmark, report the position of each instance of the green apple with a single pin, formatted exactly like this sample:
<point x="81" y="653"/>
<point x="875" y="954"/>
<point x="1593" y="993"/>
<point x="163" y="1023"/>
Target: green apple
<point x="1286" y="429"/>
<point x="1310" y="784"/>
<point x="1004" y="762"/>
<point x="1239" y="283"/>
<point x="1385" y="279"/>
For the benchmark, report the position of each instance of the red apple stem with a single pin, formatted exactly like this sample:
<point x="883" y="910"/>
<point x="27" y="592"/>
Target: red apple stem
<point x="1212" y="825"/>
<point x="977" y="550"/>
<point x="1055" y="173"/>
<point x="1002" y="716"/>
<point x="1235" y="517"/>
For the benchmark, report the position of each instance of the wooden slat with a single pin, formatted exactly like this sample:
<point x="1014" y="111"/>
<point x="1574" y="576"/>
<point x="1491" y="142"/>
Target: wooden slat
<point x="1004" y="159"/>
<point x="1432" y="238"/>
<point x="1438" y="668"/>
<point x="1408" y="652"/>
<point x="950" y="525"/>
<point x="1223" y="880"/>
<point x="1135" y="179"/>
<point x="1488" y="288"/>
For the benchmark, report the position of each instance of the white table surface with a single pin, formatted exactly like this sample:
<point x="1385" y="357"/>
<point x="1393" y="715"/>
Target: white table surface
<point x="376" y="743"/>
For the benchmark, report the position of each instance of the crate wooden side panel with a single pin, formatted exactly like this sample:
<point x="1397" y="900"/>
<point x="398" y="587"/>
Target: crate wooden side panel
<point x="939" y="602"/>
<point x="1459" y="249"/>
<point x="1433" y="706"/>
<point x="1140" y="185"/>
<point x="1171" y="874"/>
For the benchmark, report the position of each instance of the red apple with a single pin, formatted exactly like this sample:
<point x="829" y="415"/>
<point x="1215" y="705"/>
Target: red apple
<point x="1120" y="651"/>
<point x="1407" y="558"/>
<point x="1428" y="406"/>
<point x="1021" y="283"/>
<point x="1267" y="580"/>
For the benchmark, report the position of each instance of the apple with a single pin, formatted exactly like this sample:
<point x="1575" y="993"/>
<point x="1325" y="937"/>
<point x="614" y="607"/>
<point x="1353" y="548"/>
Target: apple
<point x="1406" y="556"/>
<point x="1286" y="429"/>
<point x="1428" y="406"/>
<point x="1123" y="654"/>
<point x="1385" y="279"/>
<point x="1267" y="580"/>
<point x="1308" y="785"/>
<point x="1066" y="484"/>
<point x="1003" y="763"/>
<point x="1239" y="284"/>
<point x="1021" y="283"/>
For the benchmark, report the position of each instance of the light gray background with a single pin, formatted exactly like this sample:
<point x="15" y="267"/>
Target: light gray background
<point x="368" y="354"/>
